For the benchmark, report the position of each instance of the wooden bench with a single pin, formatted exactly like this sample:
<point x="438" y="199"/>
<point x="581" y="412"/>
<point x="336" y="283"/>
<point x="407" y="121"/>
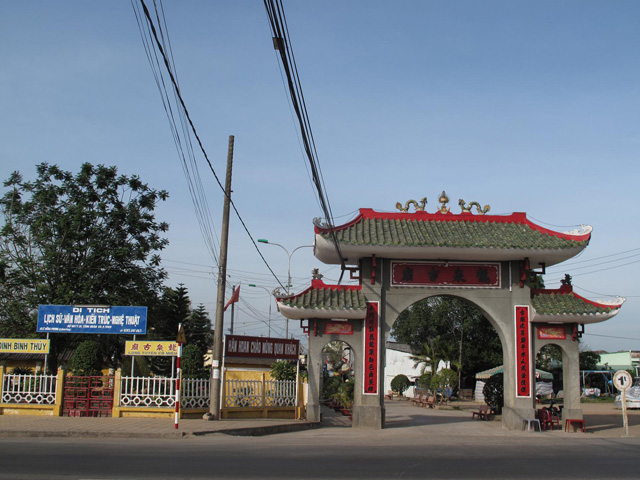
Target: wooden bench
<point x="417" y="400"/>
<point x="482" y="413"/>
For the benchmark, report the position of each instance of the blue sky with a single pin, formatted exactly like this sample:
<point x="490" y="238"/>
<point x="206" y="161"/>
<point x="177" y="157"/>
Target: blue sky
<point x="526" y="106"/>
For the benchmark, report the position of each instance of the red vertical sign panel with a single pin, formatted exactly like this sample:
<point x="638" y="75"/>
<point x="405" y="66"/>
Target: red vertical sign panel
<point x="371" y="349"/>
<point x="523" y="352"/>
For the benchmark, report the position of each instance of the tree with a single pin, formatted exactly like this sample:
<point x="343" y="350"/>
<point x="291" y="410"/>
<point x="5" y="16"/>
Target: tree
<point x="589" y="360"/>
<point x="192" y="362"/>
<point x="493" y="392"/>
<point x="462" y="334"/>
<point x="89" y="238"/>
<point x="87" y="359"/>
<point x="173" y="308"/>
<point x="198" y="329"/>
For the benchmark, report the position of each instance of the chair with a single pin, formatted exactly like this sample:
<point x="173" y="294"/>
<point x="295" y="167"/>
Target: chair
<point x="529" y="422"/>
<point x="548" y="419"/>
<point x="431" y="402"/>
<point x="482" y="413"/>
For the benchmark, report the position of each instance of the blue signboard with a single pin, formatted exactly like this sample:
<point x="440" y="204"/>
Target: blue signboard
<point x="114" y="320"/>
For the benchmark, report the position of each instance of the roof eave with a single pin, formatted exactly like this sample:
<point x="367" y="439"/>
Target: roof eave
<point x="574" y="318"/>
<point x="325" y="252"/>
<point x="297" y="313"/>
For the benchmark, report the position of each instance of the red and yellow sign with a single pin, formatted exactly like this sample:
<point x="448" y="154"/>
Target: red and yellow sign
<point x="24" y="345"/>
<point x="523" y="352"/>
<point x="548" y="332"/>
<point x="371" y="348"/>
<point x="338" y="328"/>
<point x="151" y="348"/>
<point x="446" y="274"/>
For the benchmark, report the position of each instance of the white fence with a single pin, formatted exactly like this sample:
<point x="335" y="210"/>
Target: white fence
<point x="161" y="392"/>
<point x="32" y="389"/>
<point x="256" y="393"/>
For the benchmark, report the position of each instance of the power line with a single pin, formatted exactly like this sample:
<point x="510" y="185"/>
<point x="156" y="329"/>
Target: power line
<point x="282" y="44"/>
<point x="184" y="111"/>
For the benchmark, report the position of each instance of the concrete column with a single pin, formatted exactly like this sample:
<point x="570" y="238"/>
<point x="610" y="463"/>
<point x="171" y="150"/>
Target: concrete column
<point x="571" y="378"/>
<point x="315" y="371"/>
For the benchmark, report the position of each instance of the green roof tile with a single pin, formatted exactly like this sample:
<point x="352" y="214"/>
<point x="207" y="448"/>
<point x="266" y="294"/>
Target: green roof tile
<point x="327" y="298"/>
<point x="566" y="304"/>
<point x="434" y="233"/>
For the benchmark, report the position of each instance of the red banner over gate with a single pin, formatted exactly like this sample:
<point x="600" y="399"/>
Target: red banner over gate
<point x="446" y="274"/>
<point x="371" y="349"/>
<point x="261" y="347"/>
<point x="523" y="352"/>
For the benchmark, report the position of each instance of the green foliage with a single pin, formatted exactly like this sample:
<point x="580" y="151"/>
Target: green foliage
<point x="493" y="392"/>
<point x="549" y="358"/>
<point x="400" y="383"/>
<point x="192" y="362"/>
<point x="443" y="379"/>
<point x="330" y="386"/>
<point x="88" y="238"/>
<point x="589" y="360"/>
<point x="87" y="359"/>
<point x="22" y="371"/>
<point x="283" y="370"/>
<point x="344" y="395"/>
<point x="424" y="381"/>
<point x="198" y="329"/>
<point x="451" y="329"/>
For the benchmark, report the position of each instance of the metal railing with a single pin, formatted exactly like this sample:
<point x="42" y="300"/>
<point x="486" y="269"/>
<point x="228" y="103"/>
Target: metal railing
<point x="195" y="392"/>
<point x="256" y="393"/>
<point x="32" y="389"/>
<point x="147" y="392"/>
<point x="161" y="392"/>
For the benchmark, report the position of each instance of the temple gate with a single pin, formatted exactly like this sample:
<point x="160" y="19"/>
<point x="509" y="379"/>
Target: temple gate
<point x="488" y="260"/>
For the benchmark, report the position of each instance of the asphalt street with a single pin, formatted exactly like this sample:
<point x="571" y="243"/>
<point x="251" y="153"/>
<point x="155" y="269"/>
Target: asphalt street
<point x="419" y="443"/>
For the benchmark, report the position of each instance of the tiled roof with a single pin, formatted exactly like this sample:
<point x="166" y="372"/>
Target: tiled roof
<point x="327" y="297"/>
<point x="564" y="301"/>
<point x="448" y="230"/>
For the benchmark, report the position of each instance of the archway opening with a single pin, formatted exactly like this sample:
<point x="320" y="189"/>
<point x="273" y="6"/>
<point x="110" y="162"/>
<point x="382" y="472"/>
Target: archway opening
<point x="549" y="361"/>
<point x="337" y="384"/>
<point x="446" y="340"/>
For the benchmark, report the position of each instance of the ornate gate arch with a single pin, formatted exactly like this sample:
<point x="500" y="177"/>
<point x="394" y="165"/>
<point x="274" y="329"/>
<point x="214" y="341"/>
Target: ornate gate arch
<point x="489" y="260"/>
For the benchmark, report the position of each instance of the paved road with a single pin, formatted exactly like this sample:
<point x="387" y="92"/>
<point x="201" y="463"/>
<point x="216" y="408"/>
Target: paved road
<point x="419" y="443"/>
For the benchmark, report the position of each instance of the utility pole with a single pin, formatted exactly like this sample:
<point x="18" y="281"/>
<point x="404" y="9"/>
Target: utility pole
<point x="214" y="401"/>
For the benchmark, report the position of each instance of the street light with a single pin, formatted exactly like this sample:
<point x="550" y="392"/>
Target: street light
<point x="289" y="255"/>
<point x="270" y="293"/>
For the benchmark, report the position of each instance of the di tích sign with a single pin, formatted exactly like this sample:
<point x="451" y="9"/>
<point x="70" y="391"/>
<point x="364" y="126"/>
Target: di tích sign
<point x="108" y="320"/>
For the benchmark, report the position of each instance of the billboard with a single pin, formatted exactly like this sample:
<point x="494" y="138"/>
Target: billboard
<point x="24" y="345"/>
<point x="261" y="347"/>
<point x="151" y="348"/>
<point x="107" y="320"/>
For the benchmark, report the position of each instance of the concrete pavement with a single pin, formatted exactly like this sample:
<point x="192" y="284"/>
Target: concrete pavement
<point x="602" y="420"/>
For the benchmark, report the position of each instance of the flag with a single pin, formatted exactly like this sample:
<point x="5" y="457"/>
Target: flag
<point x="234" y="298"/>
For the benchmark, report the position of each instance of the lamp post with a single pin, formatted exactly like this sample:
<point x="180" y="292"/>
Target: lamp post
<point x="270" y="293"/>
<point x="289" y="255"/>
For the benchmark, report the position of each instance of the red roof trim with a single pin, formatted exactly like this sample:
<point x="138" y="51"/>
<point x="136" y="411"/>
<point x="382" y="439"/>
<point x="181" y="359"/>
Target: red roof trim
<point x="568" y="290"/>
<point x="320" y="285"/>
<point x="516" y="217"/>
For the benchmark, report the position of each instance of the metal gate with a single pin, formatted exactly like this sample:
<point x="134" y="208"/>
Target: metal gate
<point x="88" y="396"/>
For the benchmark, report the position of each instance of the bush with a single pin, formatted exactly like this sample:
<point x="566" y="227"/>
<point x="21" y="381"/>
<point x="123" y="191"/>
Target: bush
<point x="283" y="370"/>
<point x="192" y="362"/>
<point x="87" y="359"/>
<point x="493" y="392"/>
<point x="400" y="383"/>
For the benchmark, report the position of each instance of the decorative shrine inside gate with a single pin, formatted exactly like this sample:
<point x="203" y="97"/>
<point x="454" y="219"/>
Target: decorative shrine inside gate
<point x="490" y="260"/>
